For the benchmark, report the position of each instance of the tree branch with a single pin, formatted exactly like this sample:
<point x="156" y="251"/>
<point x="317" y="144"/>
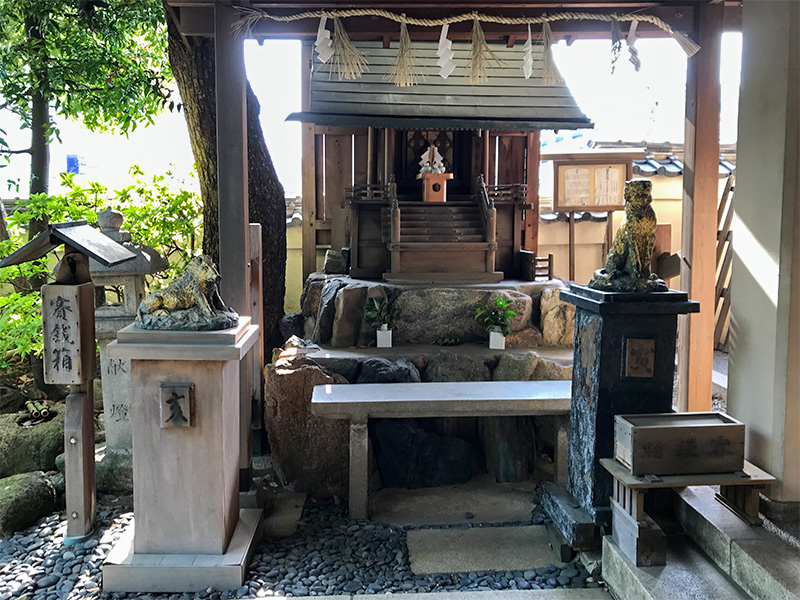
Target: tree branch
<point x="9" y="151"/>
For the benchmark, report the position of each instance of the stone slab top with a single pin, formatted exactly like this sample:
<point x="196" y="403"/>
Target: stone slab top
<point x="750" y="475"/>
<point x="672" y="302"/>
<point x="227" y="337"/>
<point x="441" y="399"/>
<point x="182" y="349"/>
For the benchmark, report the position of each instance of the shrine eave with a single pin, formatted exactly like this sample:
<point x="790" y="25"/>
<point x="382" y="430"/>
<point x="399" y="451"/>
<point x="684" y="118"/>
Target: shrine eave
<point x="438" y="122"/>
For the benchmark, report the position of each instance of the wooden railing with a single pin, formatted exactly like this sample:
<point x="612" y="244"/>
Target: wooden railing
<point x="489" y="213"/>
<point x="722" y="298"/>
<point x="511" y="193"/>
<point x="373" y="193"/>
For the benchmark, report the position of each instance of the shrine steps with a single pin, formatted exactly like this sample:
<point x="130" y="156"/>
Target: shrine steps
<point x="461" y="277"/>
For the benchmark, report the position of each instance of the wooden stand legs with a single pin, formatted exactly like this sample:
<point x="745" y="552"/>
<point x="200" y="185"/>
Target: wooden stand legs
<point x="636" y="534"/>
<point x="79" y="462"/>
<point x="742" y="500"/>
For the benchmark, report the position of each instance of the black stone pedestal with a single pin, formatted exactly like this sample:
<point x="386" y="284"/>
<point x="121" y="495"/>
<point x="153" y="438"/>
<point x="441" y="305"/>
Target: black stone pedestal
<point x="624" y="363"/>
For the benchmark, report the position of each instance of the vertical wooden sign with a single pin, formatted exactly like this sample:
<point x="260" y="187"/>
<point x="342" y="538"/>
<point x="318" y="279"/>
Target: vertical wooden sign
<point x="68" y="333"/>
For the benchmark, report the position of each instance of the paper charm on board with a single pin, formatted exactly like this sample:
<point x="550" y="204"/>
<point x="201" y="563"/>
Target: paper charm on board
<point x="631" y="40"/>
<point x="324" y="45"/>
<point x="527" y="59"/>
<point x="445" y="54"/>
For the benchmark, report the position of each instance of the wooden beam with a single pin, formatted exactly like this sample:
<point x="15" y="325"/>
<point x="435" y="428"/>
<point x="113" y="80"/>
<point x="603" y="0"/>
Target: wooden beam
<point x="532" y="180"/>
<point x="308" y="170"/>
<point x="232" y="184"/>
<point x="234" y="234"/>
<point x="699" y="226"/>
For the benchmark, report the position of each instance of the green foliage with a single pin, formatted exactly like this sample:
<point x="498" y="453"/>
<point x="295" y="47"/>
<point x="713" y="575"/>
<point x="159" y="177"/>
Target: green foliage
<point x="495" y="316"/>
<point x="449" y="341"/>
<point x="155" y="214"/>
<point x="103" y="62"/>
<point x="379" y="311"/>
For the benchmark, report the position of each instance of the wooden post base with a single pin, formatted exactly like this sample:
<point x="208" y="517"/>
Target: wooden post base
<point x="742" y="500"/>
<point x="79" y="463"/>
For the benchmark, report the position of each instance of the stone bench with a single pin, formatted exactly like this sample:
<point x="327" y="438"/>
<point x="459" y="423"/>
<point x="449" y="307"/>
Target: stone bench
<point x="359" y="403"/>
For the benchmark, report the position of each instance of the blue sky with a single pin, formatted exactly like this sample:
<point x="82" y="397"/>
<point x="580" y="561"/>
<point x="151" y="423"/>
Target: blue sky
<point x="648" y="105"/>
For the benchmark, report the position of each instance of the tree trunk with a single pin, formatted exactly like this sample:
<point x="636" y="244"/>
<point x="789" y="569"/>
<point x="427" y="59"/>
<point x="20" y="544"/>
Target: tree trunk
<point x="192" y="64"/>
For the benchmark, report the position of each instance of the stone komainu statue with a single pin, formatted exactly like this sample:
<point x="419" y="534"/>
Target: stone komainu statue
<point x="190" y="303"/>
<point x="628" y="264"/>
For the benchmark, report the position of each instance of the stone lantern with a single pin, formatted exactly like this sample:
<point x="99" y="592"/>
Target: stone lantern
<point x="118" y="292"/>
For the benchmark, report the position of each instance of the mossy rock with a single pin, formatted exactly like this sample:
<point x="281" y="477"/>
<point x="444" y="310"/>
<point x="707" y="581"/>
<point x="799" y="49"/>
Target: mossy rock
<point x="24" y="449"/>
<point x="24" y="498"/>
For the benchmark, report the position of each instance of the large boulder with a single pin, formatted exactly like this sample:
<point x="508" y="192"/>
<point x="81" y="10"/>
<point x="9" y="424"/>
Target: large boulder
<point x="12" y="400"/>
<point x="549" y="370"/>
<point x="26" y="448"/>
<point x="558" y="319"/>
<point x="382" y="370"/>
<point x="425" y="315"/>
<point x="349" y="313"/>
<point x="310" y="451"/>
<point x="410" y="457"/>
<point x="291" y="324"/>
<point x="515" y="367"/>
<point x="449" y="366"/>
<point x="24" y="498"/>
<point x="309" y="298"/>
<point x="323" y="325"/>
<point x="113" y="471"/>
<point x="527" y="338"/>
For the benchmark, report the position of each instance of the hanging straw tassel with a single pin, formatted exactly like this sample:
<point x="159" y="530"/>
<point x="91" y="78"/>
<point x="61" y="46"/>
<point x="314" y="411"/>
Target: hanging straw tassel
<point x="691" y="48"/>
<point x="405" y="64"/>
<point x="616" y="43"/>
<point x="348" y="61"/>
<point x="550" y="74"/>
<point x="480" y="55"/>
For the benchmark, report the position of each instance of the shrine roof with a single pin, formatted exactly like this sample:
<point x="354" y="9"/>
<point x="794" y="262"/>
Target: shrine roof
<point x="506" y="101"/>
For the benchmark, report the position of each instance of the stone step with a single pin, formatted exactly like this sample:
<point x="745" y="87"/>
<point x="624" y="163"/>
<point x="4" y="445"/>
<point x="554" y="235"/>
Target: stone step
<point x="688" y="575"/>
<point x="758" y="561"/>
<point x="445" y="230"/>
<point x="453" y="237"/>
<point x="441" y="223"/>
<point x="438" y="209"/>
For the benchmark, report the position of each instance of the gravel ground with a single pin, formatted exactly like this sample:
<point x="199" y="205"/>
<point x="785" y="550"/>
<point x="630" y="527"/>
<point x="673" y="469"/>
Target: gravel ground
<point x="330" y="554"/>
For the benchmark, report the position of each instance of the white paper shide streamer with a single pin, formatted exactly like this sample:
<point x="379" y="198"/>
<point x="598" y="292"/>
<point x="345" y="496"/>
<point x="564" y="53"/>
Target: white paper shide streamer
<point x="631" y="41"/>
<point x="445" y="54"/>
<point x="323" y="44"/>
<point x="527" y="58"/>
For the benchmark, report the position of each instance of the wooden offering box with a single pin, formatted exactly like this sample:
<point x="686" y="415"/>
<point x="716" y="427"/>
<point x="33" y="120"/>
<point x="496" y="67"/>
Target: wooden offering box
<point x="679" y="443"/>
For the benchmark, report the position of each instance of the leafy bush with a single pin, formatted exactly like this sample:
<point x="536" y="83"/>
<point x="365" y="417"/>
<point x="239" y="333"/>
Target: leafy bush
<point x="379" y="311"/>
<point x="156" y="215"/>
<point x="495" y="316"/>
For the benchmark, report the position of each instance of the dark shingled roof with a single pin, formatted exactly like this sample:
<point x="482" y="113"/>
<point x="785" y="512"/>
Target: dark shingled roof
<point x="672" y="166"/>
<point x="507" y="101"/>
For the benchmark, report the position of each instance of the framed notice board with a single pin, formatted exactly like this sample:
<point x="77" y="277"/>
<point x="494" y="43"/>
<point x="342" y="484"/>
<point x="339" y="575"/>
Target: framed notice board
<point x="593" y="183"/>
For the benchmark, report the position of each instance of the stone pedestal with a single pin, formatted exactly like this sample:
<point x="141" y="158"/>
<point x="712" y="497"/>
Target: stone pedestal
<point x="624" y="363"/>
<point x="185" y="427"/>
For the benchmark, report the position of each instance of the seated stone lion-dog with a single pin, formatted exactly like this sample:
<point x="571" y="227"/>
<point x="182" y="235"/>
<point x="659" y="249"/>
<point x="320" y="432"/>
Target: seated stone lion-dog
<point x="628" y="263"/>
<point x="191" y="302"/>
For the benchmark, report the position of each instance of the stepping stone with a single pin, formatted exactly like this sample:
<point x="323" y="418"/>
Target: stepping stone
<point x="478" y="549"/>
<point x="284" y="518"/>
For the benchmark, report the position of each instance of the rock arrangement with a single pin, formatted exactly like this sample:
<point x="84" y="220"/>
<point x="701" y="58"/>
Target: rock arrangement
<point x="329" y="555"/>
<point x="333" y="312"/>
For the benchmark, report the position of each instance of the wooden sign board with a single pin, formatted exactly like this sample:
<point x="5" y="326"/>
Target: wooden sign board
<point x="593" y="183"/>
<point x="68" y="333"/>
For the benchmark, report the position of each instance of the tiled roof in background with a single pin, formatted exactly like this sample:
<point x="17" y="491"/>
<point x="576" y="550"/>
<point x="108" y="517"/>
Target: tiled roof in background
<point x="672" y="166"/>
<point x="294" y="211"/>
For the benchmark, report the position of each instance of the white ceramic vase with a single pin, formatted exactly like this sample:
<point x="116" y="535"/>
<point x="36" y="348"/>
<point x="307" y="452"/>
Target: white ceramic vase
<point x="497" y="341"/>
<point x="384" y="335"/>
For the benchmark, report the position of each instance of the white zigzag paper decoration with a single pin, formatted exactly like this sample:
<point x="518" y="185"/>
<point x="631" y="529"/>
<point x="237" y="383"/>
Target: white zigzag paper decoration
<point x="631" y="40"/>
<point x="445" y="54"/>
<point x="527" y="59"/>
<point x="324" y="44"/>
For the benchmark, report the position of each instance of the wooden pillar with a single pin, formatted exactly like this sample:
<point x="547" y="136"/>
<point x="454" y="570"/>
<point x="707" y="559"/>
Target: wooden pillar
<point x="234" y="221"/>
<point x="487" y="139"/>
<point x="531" y="238"/>
<point x="308" y="170"/>
<point x="699" y="227"/>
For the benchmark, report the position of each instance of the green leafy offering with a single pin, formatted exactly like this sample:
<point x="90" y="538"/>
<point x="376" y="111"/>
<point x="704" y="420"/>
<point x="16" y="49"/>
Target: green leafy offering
<point x="379" y="311"/>
<point x="495" y="316"/>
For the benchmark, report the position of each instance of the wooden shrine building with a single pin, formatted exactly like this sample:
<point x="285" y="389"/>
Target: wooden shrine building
<point x="369" y="134"/>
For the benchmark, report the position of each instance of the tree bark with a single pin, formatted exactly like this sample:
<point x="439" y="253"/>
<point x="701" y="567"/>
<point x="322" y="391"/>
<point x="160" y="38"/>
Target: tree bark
<point x="193" y="64"/>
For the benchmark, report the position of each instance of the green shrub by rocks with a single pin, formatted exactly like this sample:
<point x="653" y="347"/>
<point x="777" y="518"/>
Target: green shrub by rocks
<point x="24" y="498"/>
